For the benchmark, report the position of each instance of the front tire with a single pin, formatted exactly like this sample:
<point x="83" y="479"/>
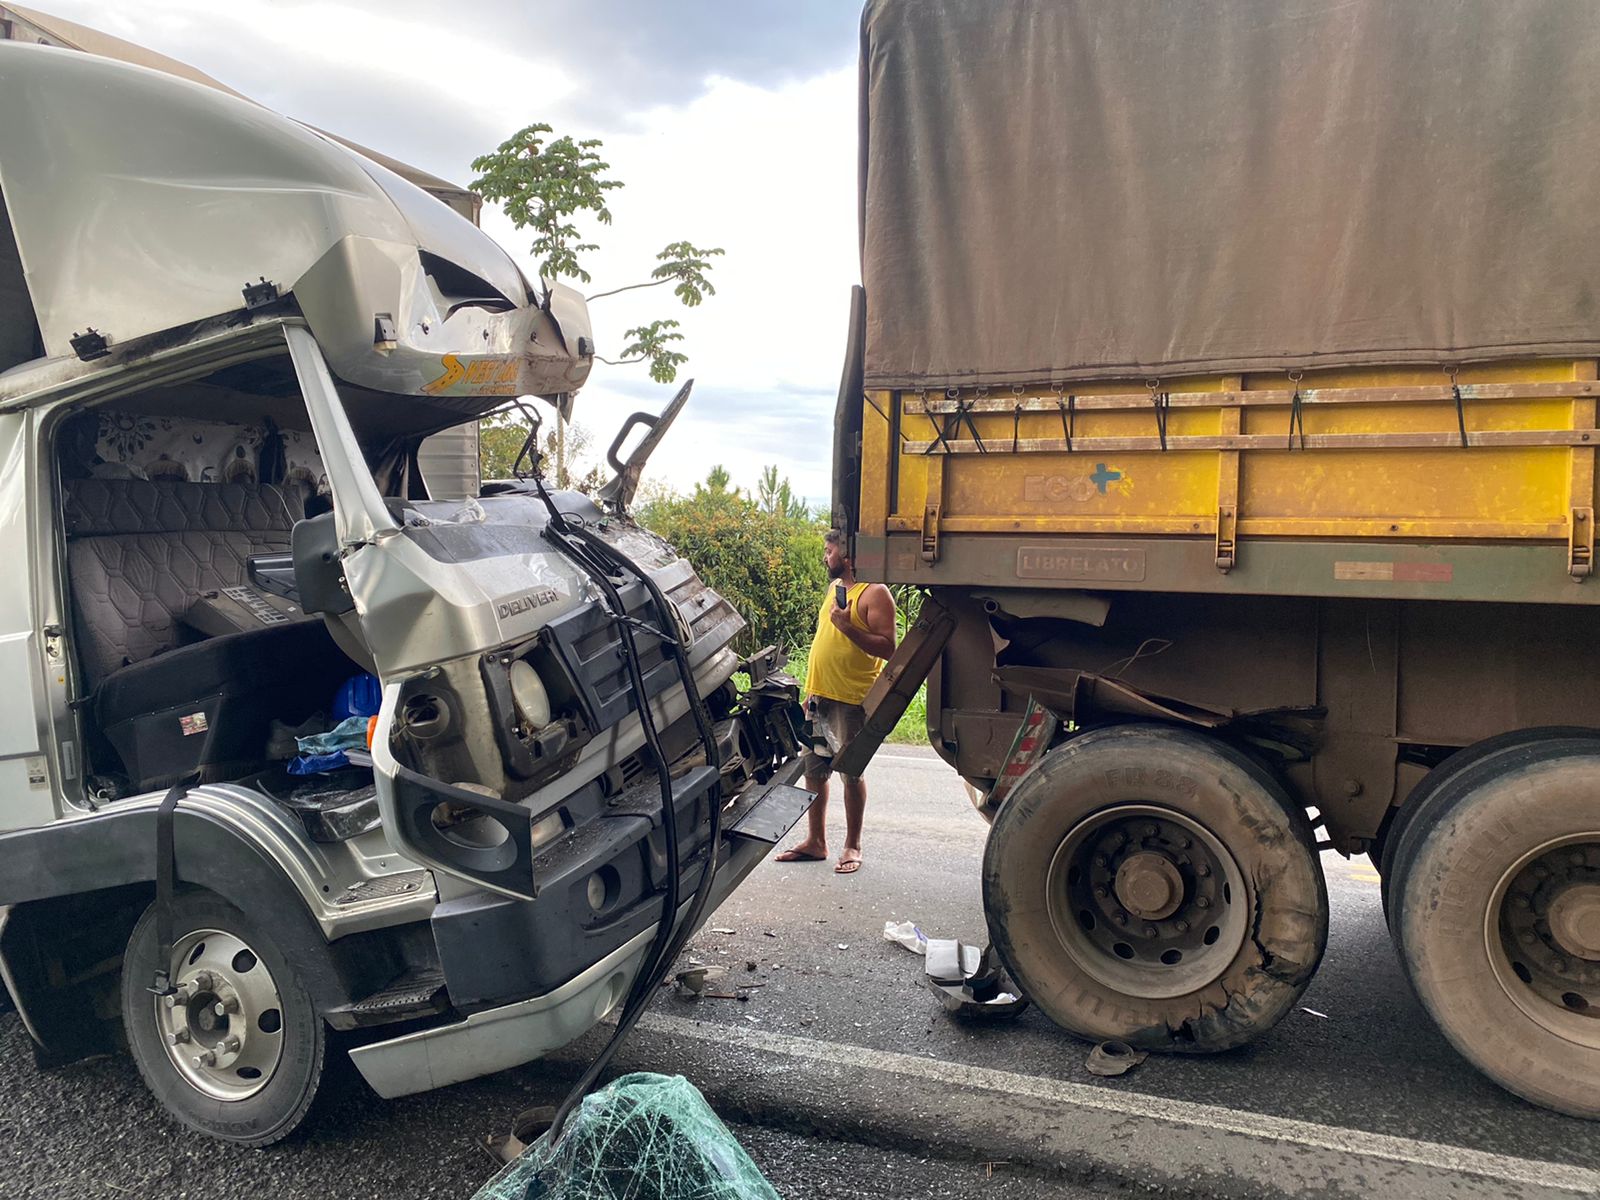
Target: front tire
<point x="1155" y="886"/>
<point x="238" y="1052"/>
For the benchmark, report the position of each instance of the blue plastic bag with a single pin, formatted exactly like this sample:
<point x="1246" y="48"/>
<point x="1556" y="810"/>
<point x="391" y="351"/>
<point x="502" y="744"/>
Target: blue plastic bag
<point x="326" y="751"/>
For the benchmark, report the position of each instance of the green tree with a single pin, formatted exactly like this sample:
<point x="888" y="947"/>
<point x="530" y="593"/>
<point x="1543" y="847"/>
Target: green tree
<point x="500" y="438"/>
<point x="716" y="484"/>
<point x="777" y="496"/>
<point x="546" y="185"/>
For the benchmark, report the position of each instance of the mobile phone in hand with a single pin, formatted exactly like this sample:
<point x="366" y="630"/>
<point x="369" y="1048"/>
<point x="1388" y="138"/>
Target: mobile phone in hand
<point x="841" y="596"/>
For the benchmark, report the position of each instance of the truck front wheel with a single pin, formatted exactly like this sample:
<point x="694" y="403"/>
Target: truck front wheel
<point x="1155" y="886"/>
<point x="237" y="1050"/>
<point x="1497" y="919"/>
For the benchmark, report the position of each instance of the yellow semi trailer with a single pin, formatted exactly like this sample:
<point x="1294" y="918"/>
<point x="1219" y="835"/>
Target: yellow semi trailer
<point x="1227" y="376"/>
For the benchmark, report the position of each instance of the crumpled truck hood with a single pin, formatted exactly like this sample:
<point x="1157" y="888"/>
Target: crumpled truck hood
<point x="141" y="203"/>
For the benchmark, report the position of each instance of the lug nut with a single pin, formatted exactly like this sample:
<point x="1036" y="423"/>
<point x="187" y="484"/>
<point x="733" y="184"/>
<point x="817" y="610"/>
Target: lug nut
<point x="1182" y="927"/>
<point x="1203" y="901"/>
<point x="1151" y="931"/>
<point x="178" y="1038"/>
<point x="1101" y="892"/>
<point x="1101" y="861"/>
<point x="1529" y="938"/>
<point x="1203" y="871"/>
<point x="1185" y="843"/>
<point x="230" y="1045"/>
<point x="1579" y="858"/>
<point x="1560" y="964"/>
<point x="1521" y="901"/>
<point x="1122" y="918"/>
<point x="1150" y="831"/>
<point x="181" y="994"/>
<point x="208" y="1059"/>
<point x="229" y="1004"/>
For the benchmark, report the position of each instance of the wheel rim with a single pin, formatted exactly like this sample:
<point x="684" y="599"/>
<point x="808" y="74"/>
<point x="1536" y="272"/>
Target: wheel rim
<point x="1147" y="901"/>
<point x="222" y="1027"/>
<point x="1543" y="933"/>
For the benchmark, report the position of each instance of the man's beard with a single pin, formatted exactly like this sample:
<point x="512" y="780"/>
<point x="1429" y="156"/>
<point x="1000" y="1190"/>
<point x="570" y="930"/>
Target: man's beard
<point x="837" y="572"/>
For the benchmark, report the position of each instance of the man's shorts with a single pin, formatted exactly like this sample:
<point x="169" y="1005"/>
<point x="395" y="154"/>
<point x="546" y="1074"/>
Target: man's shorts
<point x="833" y="724"/>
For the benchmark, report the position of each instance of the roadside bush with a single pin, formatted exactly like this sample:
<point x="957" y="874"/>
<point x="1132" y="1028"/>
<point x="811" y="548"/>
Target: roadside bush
<point x="768" y="564"/>
<point x="765" y="556"/>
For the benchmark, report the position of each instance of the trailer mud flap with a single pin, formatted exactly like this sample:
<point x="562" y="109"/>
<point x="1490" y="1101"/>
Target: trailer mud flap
<point x="897" y="684"/>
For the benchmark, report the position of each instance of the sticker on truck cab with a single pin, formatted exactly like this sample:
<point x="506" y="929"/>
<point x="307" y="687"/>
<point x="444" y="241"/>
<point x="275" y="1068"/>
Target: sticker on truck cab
<point x="479" y="377"/>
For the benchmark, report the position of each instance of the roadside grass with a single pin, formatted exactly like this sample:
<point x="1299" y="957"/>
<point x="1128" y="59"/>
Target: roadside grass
<point x="912" y="728"/>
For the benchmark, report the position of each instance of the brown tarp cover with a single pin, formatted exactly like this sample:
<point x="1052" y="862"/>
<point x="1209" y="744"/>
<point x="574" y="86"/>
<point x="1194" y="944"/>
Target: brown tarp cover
<point x="1053" y="190"/>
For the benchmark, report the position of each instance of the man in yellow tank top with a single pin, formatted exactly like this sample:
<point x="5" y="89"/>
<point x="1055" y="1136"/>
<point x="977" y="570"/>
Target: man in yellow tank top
<point x="852" y="640"/>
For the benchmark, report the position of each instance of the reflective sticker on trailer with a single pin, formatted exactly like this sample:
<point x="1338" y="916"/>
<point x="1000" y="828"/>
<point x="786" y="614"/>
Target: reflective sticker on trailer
<point x="1395" y="572"/>
<point x="1038" y="729"/>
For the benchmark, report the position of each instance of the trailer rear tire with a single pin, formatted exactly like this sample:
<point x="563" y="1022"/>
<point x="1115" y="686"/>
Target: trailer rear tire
<point x="1497" y="920"/>
<point x="1418" y="809"/>
<point x="239" y="1055"/>
<point x="1155" y="886"/>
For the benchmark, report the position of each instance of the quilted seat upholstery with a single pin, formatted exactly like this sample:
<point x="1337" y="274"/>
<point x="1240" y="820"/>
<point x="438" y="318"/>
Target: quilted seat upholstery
<point x="139" y="552"/>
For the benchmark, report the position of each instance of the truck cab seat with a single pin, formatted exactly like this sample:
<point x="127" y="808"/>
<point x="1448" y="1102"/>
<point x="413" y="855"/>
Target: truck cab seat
<point x="140" y="553"/>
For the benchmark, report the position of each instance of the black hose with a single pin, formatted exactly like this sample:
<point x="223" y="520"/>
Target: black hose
<point x="595" y="556"/>
<point x="708" y="739"/>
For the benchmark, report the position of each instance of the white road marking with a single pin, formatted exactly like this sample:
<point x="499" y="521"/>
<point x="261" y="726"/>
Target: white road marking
<point x="1433" y="1155"/>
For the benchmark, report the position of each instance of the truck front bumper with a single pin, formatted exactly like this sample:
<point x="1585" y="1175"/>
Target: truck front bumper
<point x="509" y="1035"/>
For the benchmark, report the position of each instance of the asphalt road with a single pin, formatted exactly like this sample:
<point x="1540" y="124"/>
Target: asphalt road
<point x="1360" y="1053"/>
<point x="845" y="1078"/>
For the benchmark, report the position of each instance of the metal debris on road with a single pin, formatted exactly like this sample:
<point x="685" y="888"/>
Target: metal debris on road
<point x="693" y="981"/>
<point x="968" y="981"/>
<point x="844" y="946"/>
<point x="1114" y="1058"/>
<point x="724" y="930"/>
<point x="1314" y="1012"/>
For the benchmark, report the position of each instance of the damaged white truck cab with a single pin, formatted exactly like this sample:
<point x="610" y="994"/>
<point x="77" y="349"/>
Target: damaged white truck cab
<point x="222" y="339"/>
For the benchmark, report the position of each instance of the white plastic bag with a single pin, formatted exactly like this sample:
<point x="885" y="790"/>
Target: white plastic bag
<point x="906" y="934"/>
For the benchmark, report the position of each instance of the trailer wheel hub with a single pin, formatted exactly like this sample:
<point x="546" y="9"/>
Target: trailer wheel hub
<point x="1148" y="901"/>
<point x="1149" y="885"/>
<point x="1549" y="932"/>
<point x="1575" y="921"/>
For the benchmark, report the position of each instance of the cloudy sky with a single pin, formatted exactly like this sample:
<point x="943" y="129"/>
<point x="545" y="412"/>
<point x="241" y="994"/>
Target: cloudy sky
<point x="731" y="122"/>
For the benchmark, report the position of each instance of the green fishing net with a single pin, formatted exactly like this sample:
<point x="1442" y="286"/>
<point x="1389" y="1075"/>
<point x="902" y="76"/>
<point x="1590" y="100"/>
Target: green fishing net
<point x="641" y="1137"/>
